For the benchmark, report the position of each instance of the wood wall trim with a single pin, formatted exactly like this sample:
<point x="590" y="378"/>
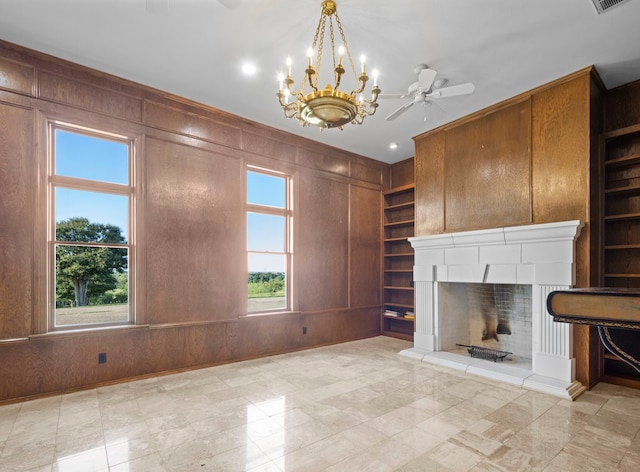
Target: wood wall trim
<point x="98" y="331"/>
<point x="557" y="154"/>
<point x="62" y="363"/>
<point x="513" y="100"/>
<point x="189" y="252"/>
<point x="131" y="102"/>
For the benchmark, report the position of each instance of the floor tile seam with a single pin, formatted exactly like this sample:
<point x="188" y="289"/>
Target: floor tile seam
<point x="493" y="457"/>
<point x="69" y="457"/>
<point x="263" y="461"/>
<point x="545" y="460"/>
<point x="20" y="455"/>
<point x="613" y="448"/>
<point x="266" y="453"/>
<point x="440" y="441"/>
<point x="131" y="460"/>
<point x="631" y="454"/>
<point x="471" y="449"/>
<point x="103" y="445"/>
<point x="13" y="424"/>
<point x="165" y="453"/>
<point x="49" y="443"/>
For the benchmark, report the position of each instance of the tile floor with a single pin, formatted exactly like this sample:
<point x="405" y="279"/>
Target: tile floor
<point x="357" y="406"/>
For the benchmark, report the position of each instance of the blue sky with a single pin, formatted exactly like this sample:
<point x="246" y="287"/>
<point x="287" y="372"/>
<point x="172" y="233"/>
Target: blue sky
<point x="92" y="158"/>
<point x="266" y="232"/>
<point x="88" y="157"/>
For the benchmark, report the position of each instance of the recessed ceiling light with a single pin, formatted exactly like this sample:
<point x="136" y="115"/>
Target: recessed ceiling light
<point x="393" y="145"/>
<point x="248" y="69"/>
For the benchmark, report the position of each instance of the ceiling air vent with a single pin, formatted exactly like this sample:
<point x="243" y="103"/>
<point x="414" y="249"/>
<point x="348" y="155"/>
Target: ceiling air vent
<point x="604" y="5"/>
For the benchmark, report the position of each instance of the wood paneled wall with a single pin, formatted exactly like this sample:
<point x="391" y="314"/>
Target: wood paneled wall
<point x="487" y="171"/>
<point x="622" y="106"/>
<point x="402" y="173"/>
<point x="190" y="251"/>
<point x="527" y="160"/>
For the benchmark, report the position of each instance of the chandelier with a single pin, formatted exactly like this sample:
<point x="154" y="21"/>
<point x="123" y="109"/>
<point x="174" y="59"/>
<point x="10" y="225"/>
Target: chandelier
<point x="328" y="107"/>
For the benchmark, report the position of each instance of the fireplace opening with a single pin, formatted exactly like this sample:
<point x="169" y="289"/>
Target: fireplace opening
<point x="495" y="317"/>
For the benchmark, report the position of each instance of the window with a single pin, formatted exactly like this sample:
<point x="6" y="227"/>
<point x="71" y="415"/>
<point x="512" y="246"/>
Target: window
<point x="268" y="240"/>
<point x="90" y="200"/>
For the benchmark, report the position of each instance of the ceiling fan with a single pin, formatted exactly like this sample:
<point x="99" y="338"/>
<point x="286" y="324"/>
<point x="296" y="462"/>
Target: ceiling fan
<point x="426" y="89"/>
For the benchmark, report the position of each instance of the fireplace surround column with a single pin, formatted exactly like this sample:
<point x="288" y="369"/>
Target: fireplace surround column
<point x="541" y="256"/>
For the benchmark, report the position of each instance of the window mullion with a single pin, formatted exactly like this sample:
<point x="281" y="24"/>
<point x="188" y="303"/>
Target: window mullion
<point x="90" y="185"/>
<point x="89" y="281"/>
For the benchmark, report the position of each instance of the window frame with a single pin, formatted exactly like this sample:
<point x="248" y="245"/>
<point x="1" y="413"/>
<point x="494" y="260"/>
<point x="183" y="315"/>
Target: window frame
<point x="288" y="213"/>
<point x="127" y="190"/>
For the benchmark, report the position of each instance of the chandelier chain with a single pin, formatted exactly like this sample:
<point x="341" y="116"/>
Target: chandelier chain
<point x="328" y="107"/>
<point x="319" y="32"/>
<point x="333" y="43"/>
<point x="346" y="46"/>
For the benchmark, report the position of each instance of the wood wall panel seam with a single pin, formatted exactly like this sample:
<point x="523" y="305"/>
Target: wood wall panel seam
<point x="189" y="180"/>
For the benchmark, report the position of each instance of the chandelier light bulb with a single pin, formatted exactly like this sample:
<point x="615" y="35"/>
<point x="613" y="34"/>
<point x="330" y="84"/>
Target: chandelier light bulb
<point x="289" y="66"/>
<point x="280" y="80"/>
<point x="362" y="61"/>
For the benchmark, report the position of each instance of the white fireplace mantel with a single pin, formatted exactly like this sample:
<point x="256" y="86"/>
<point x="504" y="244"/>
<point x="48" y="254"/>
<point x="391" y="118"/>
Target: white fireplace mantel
<point x="539" y="255"/>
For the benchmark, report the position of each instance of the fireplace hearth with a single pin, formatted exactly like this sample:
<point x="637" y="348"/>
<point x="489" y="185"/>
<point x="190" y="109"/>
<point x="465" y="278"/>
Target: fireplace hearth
<point x="537" y="257"/>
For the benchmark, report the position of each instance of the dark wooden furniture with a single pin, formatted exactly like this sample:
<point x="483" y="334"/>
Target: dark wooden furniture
<point x="616" y="314"/>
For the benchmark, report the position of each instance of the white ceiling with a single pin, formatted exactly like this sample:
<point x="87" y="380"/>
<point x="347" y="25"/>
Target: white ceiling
<point x="195" y="49"/>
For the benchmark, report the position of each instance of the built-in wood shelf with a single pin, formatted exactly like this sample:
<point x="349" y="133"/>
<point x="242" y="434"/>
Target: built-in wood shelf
<point x="625" y="189"/>
<point x="621" y="179"/>
<point x="400" y="206"/>
<point x="399" y="318"/>
<point x="398" y="305"/>
<point x="399" y="223"/>
<point x="623" y="161"/>
<point x="390" y="240"/>
<point x="399" y="190"/>
<point x="622" y="216"/>
<point x="616" y="133"/>
<point x="398" y="294"/>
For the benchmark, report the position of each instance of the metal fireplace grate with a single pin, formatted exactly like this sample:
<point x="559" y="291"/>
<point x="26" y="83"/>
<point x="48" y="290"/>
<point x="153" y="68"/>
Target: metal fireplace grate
<point x="485" y="353"/>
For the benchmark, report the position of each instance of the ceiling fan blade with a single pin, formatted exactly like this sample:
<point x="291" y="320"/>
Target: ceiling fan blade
<point x="426" y="78"/>
<point x="400" y="111"/>
<point x="454" y="90"/>
<point x="393" y="95"/>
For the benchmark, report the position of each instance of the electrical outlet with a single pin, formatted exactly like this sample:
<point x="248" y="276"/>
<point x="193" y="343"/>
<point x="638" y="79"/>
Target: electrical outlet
<point x="102" y="358"/>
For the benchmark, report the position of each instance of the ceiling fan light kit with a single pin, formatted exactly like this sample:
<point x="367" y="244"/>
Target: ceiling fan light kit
<point x="328" y="107"/>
